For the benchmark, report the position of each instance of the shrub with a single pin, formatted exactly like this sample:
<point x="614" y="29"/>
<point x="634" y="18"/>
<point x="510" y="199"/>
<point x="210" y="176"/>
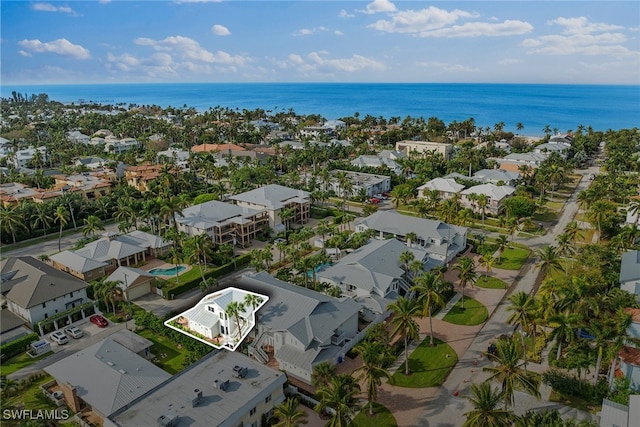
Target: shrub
<point x="18" y="346"/>
<point x="568" y="385"/>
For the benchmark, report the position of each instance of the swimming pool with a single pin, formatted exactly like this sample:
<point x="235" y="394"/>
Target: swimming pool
<point x="318" y="268"/>
<point x="166" y="271"/>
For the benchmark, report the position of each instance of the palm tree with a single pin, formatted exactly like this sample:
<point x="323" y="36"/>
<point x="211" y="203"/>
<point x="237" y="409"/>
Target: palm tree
<point x="503" y="243"/>
<point x="339" y="394"/>
<point x="92" y="224"/>
<point x="252" y="300"/>
<point x="286" y="215"/>
<point x="404" y="310"/>
<point x="523" y="311"/>
<point x="11" y="219"/>
<point x="208" y="284"/>
<point x="487" y="261"/>
<point x="289" y="415"/>
<point x="428" y="288"/>
<point x="61" y="216"/>
<point x="411" y="237"/>
<point x="564" y="326"/>
<point x="405" y="258"/>
<point x="482" y="202"/>
<point x="170" y="207"/>
<point x="573" y="232"/>
<point x="322" y="373"/>
<point x="466" y="274"/>
<point x="234" y="309"/>
<point x="372" y="370"/>
<point x="42" y="217"/>
<point x="549" y="260"/>
<point x="176" y="257"/>
<point x="508" y="372"/>
<point x="200" y="246"/>
<point x="485" y="413"/>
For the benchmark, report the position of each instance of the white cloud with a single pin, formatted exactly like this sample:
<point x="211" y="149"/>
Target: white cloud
<point x="582" y="37"/>
<point x="310" y="31"/>
<point x="60" y="46"/>
<point x="509" y="61"/>
<point x="188" y="49"/>
<point x="24" y="53"/>
<point x="344" y="14"/>
<point x="338" y="33"/>
<point x="220" y="30"/>
<point x="417" y="21"/>
<point x="48" y="7"/>
<point x="319" y="62"/>
<point x="477" y="29"/>
<point x="378" y="6"/>
<point x="444" y="66"/>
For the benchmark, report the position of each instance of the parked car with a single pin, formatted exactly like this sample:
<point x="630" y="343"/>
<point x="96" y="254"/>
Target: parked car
<point x="374" y="200"/>
<point x="59" y="337"/>
<point x="99" y="320"/>
<point x="279" y="240"/>
<point x="74" y="332"/>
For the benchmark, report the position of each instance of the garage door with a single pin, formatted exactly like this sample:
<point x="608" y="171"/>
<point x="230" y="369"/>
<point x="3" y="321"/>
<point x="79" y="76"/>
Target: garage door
<point x="139" y="290"/>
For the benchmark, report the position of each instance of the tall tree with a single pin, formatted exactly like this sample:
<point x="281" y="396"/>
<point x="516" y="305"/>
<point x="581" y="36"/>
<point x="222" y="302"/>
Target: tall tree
<point x="466" y="274"/>
<point x="61" y="216"/>
<point x="485" y="412"/>
<point x="11" y="220"/>
<point x="235" y="309"/>
<point x="339" y="394"/>
<point x="322" y="373"/>
<point x="289" y="415"/>
<point x="404" y="310"/>
<point x="92" y="224"/>
<point x="549" y="260"/>
<point x="372" y="370"/>
<point x="428" y="288"/>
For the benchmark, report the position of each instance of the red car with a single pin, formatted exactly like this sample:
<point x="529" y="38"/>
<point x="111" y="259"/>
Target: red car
<point x="99" y="320"/>
<point x="374" y="200"/>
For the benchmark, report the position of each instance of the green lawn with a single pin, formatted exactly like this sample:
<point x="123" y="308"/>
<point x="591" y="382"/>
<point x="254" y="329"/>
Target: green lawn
<point x="548" y="216"/>
<point x="429" y="366"/>
<point x="474" y="313"/>
<point x="168" y="356"/>
<point x="381" y="417"/>
<point x="489" y="282"/>
<point x="555" y="205"/>
<point x="513" y="258"/>
<point x="31" y="397"/>
<point x="20" y="361"/>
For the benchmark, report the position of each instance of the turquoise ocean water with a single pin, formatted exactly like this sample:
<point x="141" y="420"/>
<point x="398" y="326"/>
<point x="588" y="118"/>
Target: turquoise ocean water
<point x="562" y="107"/>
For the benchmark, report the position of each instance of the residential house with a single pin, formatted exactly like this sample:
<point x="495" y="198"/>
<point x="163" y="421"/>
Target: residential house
<point x="77" y="137"/>
<point x="119" y="146"/>
<point x="91" y="163"/>
<point x="298" y="327"/>
<point x="36" y="291"/>
<point x="368" y="183"/>
<point x="446" y="188"/>
<point x="614" y="414"/>
<point x="274" y="199"/>
<point x="373" y="275"/>
<point x="495" y="195"/>
<point x="627" y="362"/>
<point x="630" y="273"/>
<point x="209" y="322"/>
<point x="512" y="162"/>
<point x="223" y="222"/>
<point x="440" y="240"/>
<point x="90" y="185"/>
<point x="104" y="378"/>
<point x="633" y="217"/>
<point x="13" y="193"/>
<point x="12" y="326"/>
<point x="223" y="389"/>
<point x="105" y="255"/>
<point x="135" y="283"/>
<point x="421" y="147"/>
<point x="497" y="176"/>
<point x="554" y="146"/>
<point x="177" y="156"/>
<point x="23" y="158"/>
<point x="385" y="158"/>
<point x="140" y="176"/>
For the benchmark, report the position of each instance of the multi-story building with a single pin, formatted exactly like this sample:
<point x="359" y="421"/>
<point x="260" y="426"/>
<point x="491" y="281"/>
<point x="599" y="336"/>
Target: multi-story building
<point x="371" y="184"/>
<point x="421" y="147"/>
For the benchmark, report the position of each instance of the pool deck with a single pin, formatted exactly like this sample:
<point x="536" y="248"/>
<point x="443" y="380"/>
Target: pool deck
<point x="158" y="263"/>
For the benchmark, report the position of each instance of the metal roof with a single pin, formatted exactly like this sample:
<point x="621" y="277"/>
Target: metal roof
<point x="272" y="196"/>
<point x="630" y="266"/>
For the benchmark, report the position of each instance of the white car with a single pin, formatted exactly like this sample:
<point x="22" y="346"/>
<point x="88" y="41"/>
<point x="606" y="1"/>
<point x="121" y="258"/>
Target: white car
<point x="59" y="337"/>
<point x="74" y="332"/>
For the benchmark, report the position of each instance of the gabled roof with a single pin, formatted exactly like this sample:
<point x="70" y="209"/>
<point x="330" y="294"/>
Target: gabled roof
<point x="396" y="223"/>
<point x="133" y="274"/>
<point x="446" y="185"/>
<point x="76" y="262"/>
<point x="272" y="196"/>
<point x="105" y="250"/>
<point x="213" y="213"/>
<point x="308" y="315"/>
<point x="36" y="282"/>
<point x="107" y="375"/>
<point x="495" y="175"/>
<point x="630" y="266"/>
<point x="494" y="192"/>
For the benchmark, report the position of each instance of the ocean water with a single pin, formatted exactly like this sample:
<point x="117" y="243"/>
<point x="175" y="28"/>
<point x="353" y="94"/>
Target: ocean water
<point x="535" y="106"/>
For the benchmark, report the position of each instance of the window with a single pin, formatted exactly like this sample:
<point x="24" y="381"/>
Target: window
<point x="44" y="305"/>
<point x="267" y="399"/>
<point x="46" y="315"/>
<point x="71" y="295"/>
<point x="252" y="411"/>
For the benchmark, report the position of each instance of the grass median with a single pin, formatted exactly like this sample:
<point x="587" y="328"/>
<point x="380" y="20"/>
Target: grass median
<point x="428" y="366"/>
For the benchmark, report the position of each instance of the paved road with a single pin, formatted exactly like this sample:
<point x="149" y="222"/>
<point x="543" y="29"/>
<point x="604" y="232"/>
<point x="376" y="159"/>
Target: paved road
<point x="447" y="410"/>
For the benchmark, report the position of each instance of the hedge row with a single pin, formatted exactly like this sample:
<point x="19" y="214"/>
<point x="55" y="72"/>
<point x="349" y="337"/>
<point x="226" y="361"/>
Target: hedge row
<point x="18" y="346"/>
<point x="241" y="261"/>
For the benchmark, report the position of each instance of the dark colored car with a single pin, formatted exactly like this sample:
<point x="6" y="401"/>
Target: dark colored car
<point x="492" y="349"/>
<point x="99" y="320"/>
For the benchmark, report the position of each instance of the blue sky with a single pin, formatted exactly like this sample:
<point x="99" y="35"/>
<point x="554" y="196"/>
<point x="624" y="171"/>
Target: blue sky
<point x="59" y="42"/>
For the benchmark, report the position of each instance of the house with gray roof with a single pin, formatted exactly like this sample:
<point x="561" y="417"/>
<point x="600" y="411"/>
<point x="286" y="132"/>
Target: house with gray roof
<point x="385" y="158"/>
<point x="368" y="183"/>
<point x="441" y="241"/>
<point x="496" y="176"/>
<point x="373" y="275"/>
<point x="298" y="328"/>
<point x="105" y="255"/>
<point x="105" y="377"/>
<point x="223" y="222"/>
<point x="134" y="282"/>
<point x="274" y="198"/>
<point x="223" y="389"/>
<point x="446" y="188"/>
<point x="630" y="272"/>
<point x="496" y="194"/>
<point x="36" y="291"/>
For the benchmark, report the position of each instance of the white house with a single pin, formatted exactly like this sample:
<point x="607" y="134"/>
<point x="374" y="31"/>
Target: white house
<point x="421" y="147"/>
<point x="298" y="327"/>
<point x="371" y="183"/>
<point x="37" y="291"/>
<point x="274" y="198"/>
<point x="209" y="322"/>
<point x="21" y="158"/>
<point x="630" y="272"/>
<point x="446" y="188"/>
<point x="118" y="146"/>
<point x="77" y="137"/>
<point x="384" y="158"/>
<point x="496" y="195"/>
